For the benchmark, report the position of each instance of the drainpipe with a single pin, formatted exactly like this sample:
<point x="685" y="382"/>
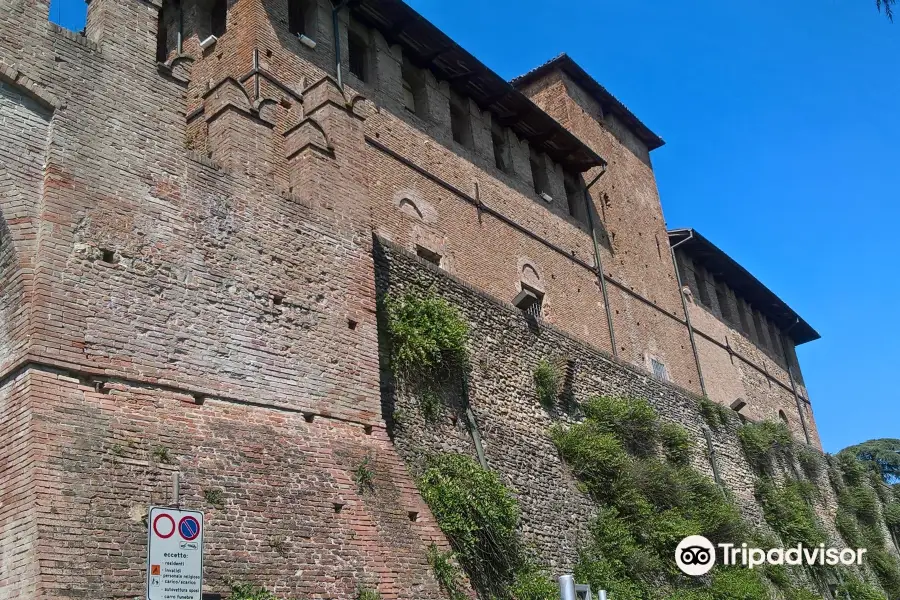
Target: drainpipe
<point x="790" y="370"/>
<point x="599" y="264"/>
<point x="337" y="41"/>
<point x="180" y="26"/>
<point x="687" y="313"/>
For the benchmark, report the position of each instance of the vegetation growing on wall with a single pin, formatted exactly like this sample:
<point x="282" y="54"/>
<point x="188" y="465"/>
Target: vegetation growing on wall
<point x="546" y="382"/>
<point x="428" y="336"/>
<point x="428" y="345"/>
<point x="636" y="468"/>
<point x="864" y="505"/>
<point x="479" y="515"/>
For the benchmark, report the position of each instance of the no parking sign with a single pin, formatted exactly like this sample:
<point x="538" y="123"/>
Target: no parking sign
<point x="174" y="554"/>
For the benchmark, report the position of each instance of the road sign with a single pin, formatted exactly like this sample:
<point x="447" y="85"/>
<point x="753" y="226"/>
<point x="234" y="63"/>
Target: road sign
<point x="174" y="554"/>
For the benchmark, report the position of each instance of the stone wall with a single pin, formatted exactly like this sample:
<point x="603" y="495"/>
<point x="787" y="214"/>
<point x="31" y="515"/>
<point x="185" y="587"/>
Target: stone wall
<point x="505" y="348"/>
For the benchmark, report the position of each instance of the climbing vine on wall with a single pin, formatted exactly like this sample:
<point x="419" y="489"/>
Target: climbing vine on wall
<point x="479" y="515"/>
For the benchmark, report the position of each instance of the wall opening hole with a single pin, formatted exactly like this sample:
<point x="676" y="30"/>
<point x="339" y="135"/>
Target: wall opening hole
<point x="277" y="300"/>
<point x="338" y="507"/>
<point x="199" y="399"/>
<point x="368" y="429"/>
<point x="351" y="324"/>
<point x="308" y="417"/>
<point x="413" y="516"/>
<point x="109" y="256"/>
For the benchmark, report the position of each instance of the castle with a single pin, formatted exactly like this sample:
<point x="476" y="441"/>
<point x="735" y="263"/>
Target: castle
<point x="192" y="196"/>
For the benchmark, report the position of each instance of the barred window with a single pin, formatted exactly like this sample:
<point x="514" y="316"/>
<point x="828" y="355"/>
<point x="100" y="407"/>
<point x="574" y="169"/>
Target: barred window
<point x="659" y="370"/>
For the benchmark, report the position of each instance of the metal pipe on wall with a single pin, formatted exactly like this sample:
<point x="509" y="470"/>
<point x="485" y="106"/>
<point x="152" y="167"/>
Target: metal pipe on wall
<point x="337" y="41"/>
<point x="687" y="314"/>
<point x="598" y="263"/>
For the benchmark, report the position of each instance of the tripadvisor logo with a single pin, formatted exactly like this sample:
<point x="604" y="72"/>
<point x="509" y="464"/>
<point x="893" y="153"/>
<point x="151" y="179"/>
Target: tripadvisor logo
<point x="696" y="555"/>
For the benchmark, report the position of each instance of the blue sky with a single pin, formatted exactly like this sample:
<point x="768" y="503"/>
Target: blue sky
<point x="781" y="124"/>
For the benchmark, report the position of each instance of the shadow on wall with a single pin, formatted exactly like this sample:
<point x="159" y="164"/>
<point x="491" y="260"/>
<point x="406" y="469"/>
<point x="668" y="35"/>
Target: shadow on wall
<point x="10" y="294"/>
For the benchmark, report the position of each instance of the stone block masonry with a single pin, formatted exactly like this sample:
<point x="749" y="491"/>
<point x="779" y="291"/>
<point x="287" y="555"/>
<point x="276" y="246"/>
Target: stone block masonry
<point x="506" y="347"/>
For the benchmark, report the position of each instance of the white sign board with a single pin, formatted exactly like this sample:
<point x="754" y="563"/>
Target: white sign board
<point x="174" y="554"/>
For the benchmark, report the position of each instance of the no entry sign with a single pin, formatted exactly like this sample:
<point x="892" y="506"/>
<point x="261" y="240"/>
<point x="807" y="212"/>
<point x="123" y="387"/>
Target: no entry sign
<point x="174" y="554"/>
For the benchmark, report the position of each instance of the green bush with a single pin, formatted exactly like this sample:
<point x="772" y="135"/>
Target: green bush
<point x="853" y="470"/>
<point x="595" y="456"/>
<point x="428" y="336"/>
<point x="811" y="462"/>
<point x="845" y="523"/>
<point x="715" y="415"/>
<point x="892" y="516"/>
<point x="676" y="443"/>
<point x="633" y="421"/>
<point x="737" y="583"/>
<point x="858" y="589"/>
<point x="530" y="583"/>
<point x="764" y="442"/>
<point x="887" y="569"/>
<point x="546" y="382"/>
<point x="788" y="512"/>
<point x="248" y="591"/>
<point x="862" y="502"/>
<point x="478" y="514"/>
<point x="364" y="593"/>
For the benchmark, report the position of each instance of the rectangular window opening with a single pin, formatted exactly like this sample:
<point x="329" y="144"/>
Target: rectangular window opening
<point x="414" y="97"/>
<point x="538" y="173"/>
<point x="575" y="197"/>
<point x="530" y="301"/>
<point x="760" y="332"/>
<point x="722" y="297"/>
<point x="659" y="369"/>
<point x="301" y="17"/>
<point x="460" y="122"/>
<point x="702" y="289"/>
<point x="501" y="147"/>
<point x="742" y="315"/>
<point x="218" y="18"/>
<point x="358" y="52"/>
<point x="426" y="254"/>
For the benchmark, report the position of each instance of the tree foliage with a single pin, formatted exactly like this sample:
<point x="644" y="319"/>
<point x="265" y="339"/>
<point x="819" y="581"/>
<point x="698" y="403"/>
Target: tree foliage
<point x="882" y="455"/>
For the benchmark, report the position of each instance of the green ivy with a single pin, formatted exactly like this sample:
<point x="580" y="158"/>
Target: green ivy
<point x="428" y="336"/>
<point x="447" y="573"/>
<point x="811" y="461"/>
<point x="546" y="382"/>
<point x="531" y="583"/>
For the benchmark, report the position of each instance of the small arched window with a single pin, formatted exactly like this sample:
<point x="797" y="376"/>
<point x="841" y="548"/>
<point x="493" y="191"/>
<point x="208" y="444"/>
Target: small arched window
<point x="783" y="417"/>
